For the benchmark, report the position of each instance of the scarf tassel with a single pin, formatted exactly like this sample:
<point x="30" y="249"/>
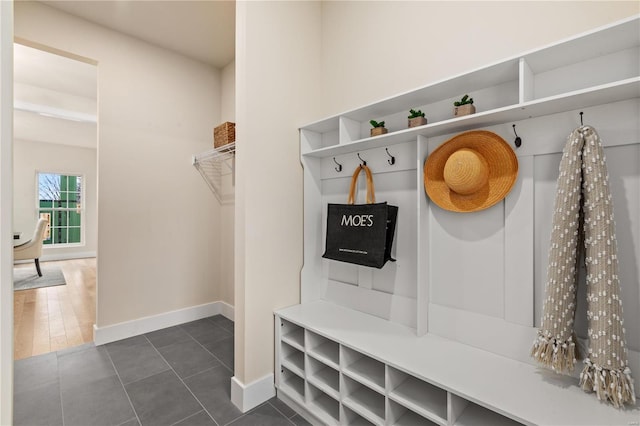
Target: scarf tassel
<point x="558" y="355"/>
<point x="613" y="385"/>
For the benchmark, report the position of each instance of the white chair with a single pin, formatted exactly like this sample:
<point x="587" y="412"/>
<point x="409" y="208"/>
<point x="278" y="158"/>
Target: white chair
<point x="32" y="249"/>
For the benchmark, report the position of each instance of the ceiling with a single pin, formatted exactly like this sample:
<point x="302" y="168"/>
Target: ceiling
<point x="203" y="29"/>
<point x="56" y="97"/>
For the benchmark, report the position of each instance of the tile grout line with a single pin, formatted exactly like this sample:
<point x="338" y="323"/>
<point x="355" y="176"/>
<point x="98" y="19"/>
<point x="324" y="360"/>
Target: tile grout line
<point x="208" y="351"/>
<point x="59" y="386"/>
<point x="123" y="387"/>
<point x="183" y="383"/>
<point x="283" y="414"/>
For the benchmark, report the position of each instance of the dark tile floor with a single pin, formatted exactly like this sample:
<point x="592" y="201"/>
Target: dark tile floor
<point x="175" y="376"/>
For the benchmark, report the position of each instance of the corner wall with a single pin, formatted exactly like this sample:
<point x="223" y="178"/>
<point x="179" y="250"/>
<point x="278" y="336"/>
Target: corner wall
<point x="277" y="75"/>
<point x="156" y="216"/>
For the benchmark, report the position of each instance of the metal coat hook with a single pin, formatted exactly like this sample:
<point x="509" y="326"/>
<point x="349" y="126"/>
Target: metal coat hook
<point x="339" y="167"/>
<point x="518" y="140"/>
<point x="392" y="159"/>
<point x="581" y="123"/>
<point x="364" y="163"/>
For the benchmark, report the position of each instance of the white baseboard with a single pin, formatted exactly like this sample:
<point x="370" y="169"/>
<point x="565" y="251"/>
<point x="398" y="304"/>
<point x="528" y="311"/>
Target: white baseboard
<point x="246" y="397"/>
<point x="67" y="256"/>
<point x="123" y="330"/>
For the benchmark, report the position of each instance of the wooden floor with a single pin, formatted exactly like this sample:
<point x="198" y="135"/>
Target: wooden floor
<point x="53" y="318"/>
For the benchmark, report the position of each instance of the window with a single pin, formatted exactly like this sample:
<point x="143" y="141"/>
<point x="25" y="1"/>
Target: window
<point x="60" y="201"/>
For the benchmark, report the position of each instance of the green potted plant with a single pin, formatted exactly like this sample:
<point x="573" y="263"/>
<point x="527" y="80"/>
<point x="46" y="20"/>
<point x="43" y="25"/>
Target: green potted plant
<point x="378" y="128"/>
<point x="416" y="118"/>
<point x="464" y="106"/>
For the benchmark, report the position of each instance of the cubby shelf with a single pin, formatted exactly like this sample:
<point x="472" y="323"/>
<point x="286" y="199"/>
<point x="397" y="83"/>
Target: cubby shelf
<point x="428" y="380"/>
<point x="603" y="94"/>
<point x="397" y="346"/>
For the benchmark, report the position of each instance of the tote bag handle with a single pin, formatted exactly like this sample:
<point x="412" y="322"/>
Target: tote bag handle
<point x="371" y="191"/>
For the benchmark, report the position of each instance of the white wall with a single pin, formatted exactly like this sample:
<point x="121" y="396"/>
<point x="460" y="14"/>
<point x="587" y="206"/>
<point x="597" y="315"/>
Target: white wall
<point x="277" y="71"/>
<point x="31" y="157"/>
<point x="156" y="215"/>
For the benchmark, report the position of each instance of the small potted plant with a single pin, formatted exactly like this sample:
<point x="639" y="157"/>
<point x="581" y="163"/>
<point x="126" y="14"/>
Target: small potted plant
<point x="464" y="106"/>
<point x="416" y="118"/>
<point x="378" y="128"/>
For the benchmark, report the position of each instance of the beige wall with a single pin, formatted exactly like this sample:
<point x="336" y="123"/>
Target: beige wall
<point x="227" y="211"/>
<point x="156" y="215"/>
<point x="277" y="70"/>
<point x="31" y="157"/>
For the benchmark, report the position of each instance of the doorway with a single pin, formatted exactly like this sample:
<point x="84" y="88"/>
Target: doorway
<point x="55" y="177"/>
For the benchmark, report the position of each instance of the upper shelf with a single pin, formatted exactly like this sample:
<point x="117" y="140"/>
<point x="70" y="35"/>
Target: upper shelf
<point x="211" y="165"/>
<point x="595" y="68"/>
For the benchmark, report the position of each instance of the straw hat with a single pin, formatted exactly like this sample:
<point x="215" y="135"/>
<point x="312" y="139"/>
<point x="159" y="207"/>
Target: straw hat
<point x="471" y="171"/>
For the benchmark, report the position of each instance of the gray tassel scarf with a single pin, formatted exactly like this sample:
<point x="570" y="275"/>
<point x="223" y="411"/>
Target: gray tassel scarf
<point x="583" y="225"/>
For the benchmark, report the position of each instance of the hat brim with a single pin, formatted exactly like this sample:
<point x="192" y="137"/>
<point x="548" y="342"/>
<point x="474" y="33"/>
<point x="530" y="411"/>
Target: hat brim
<point x="503" y="172"/>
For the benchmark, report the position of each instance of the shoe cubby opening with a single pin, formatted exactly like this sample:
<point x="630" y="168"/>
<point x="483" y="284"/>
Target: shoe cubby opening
<point x="363" y="368"/>
<point x="363" y="400"/>
<point x="401" y="416"/>
<point x="351" y="418"/>
<point x="292" y="334"/>
<point x="323" y="349"/>
<point x="292" y="358"/>
<point x="292" y="384"/>
<point x="472" y="414"/>
<point x="327" y="407"/>
<point x="323" y="377"/>
<point x="419" y="396"/>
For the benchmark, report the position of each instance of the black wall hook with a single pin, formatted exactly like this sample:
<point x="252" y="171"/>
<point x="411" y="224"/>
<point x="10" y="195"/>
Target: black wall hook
<point x="581" y="123"/>
<point x="518" y="140"/>
<point x="392" y="159"/>
<point x="364" y="163"/>
<point x="339" y="166"/>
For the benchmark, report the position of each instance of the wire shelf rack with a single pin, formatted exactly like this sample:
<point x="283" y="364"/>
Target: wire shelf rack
<point x="214" y="165"/>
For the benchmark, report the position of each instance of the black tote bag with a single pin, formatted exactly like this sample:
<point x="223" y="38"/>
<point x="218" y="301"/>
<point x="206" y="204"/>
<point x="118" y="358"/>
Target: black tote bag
<point x="361" y="233"/>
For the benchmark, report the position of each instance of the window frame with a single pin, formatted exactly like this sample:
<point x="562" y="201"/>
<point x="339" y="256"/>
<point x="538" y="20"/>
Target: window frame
<point x="53" y="244"/>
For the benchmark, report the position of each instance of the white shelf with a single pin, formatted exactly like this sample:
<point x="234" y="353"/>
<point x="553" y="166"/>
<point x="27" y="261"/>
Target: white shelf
<point x="212" y="165"/>
<point x="603" y="94"/>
